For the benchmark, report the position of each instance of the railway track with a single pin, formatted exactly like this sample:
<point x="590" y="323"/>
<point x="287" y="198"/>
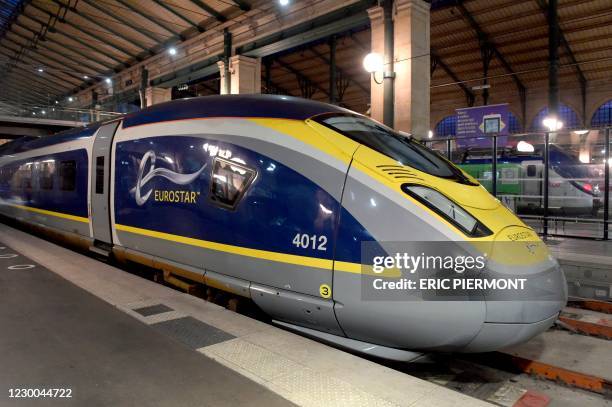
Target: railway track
<point x="560" y="375"/>
<point x="514" y="378"/>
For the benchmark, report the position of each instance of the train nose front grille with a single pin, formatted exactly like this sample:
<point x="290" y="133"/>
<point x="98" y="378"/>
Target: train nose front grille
<point x="398" y="172"/>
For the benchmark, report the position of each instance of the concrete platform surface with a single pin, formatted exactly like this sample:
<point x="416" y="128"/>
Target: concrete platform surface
<point x="587" y="265"/>
<point x="188" y="354"/>
<point x="56" y="335"/>
<point x="581" y="250"/>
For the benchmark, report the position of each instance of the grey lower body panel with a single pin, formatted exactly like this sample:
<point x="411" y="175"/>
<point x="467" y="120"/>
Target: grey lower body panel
<point x="494" y="336"/>
<point x="284" y="291"/>
<point x="54" y="222"/>
<point x="289" y="277"/>
<point x="357" y="346"/>
<point x="412" y="323"/>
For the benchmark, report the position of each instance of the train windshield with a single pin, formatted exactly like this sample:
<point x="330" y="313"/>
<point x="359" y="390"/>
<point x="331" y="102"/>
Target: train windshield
<point x="392" y="144"/>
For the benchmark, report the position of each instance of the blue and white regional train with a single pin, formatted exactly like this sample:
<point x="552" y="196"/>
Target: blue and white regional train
<point x="271" y="198"/>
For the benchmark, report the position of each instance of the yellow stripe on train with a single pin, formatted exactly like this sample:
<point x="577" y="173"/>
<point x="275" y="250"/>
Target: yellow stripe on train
<point x="245" y="251"/>
<point x="49" y="213"/>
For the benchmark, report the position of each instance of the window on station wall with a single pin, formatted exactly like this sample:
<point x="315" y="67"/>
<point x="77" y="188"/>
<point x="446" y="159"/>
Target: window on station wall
<point x="514" y="125"/>
<point x="446" y="127"/>
<point x="567" y="115"/>
<point x="603" y="115"/>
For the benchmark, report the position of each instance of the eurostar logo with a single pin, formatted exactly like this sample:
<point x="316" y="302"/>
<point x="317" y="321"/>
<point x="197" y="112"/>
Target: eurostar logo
<point x="168" y="196"/>
<point x="532" y="247"/>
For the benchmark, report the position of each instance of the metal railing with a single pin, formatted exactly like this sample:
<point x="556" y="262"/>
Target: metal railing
<point x="561" y="187"/>
<point x="55" y="112"/>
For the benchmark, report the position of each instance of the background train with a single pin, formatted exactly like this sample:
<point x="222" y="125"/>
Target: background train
<point x="573" y="188"/>
<point x="276" y="199"/>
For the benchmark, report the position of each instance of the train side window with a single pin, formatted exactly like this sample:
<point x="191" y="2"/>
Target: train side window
<point x="67" y="173"/>
<point x="47" y="172"/>
<point x="531" y="170"/>
<point x="26" y="176"/>
<point x="100" y="175"/>
<point x="229" y="182"/>
<point x="16" y="179"/>
<point x="27" y="181"/>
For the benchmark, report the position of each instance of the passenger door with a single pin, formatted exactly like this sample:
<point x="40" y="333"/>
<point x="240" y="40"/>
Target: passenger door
<point x="532" y="184"/>
<point x="100" y="184"/>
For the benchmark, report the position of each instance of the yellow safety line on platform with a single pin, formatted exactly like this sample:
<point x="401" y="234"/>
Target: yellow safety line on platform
<point x="50" y="213"/>
<point x="244" y="251"/>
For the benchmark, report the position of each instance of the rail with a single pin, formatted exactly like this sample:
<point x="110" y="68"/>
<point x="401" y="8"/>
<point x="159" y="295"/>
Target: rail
<point x="54" y="112"/>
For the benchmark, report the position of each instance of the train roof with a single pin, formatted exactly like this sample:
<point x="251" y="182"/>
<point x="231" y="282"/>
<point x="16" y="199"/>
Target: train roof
<point x="256" y="105"/>
<point x="27" y="143"/>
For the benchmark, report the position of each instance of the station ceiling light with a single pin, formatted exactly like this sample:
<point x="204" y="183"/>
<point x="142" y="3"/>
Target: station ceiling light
<point x="40" y="70"/>
<point x="283" y="2"/>
<point x="85" y="77"/>
<point x="70" y="99"/>
<point x="172" y="51"/>
<point x="108" y="81"/>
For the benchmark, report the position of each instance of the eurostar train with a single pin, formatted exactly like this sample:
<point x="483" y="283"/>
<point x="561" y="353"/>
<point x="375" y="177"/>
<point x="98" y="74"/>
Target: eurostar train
<point x="271" y="198"/>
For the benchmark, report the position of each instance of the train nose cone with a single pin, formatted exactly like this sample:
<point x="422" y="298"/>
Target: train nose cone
<point x="515" y="315"/>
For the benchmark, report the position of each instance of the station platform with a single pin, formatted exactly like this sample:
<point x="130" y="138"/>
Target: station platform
<point x="587" y="265"/>
<point x="113" y="338"/>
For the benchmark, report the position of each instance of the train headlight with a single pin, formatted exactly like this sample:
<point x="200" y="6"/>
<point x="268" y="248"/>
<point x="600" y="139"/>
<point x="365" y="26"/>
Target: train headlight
<point x="448" y="209"/>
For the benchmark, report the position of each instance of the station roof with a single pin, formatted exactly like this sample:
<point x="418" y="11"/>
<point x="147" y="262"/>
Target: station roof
<point x="77" y="43"/>
<point x="70" y="40"/>
<point x="516" y="32"/>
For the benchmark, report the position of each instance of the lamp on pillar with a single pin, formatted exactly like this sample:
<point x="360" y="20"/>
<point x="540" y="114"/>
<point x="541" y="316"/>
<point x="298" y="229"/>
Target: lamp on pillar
<point x="372" y="63"/>
<point x="552" y="123"/>
<point x="375" y="63"/>
<point x="400" y="35"/>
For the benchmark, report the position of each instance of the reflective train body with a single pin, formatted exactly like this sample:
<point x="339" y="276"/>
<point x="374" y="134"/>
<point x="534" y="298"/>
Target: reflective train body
<point x="272" y="198"/>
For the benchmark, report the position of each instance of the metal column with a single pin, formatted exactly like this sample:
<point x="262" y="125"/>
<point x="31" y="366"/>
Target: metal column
<point x="389" y="77"/>
<point x="553" y="95"/>
<point x="268" y="74"/>
<point x="332" y="69"/>
<point x="94" y="104"/>
<point x="487" y="56"/>
<point x="144" y="82"/>
<point x="545" y="183"/>
<point x="227" y="53"/>
<point x="494" y="166"/>
<point x="606" y="183"/>
<point x="553" y="59"/>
